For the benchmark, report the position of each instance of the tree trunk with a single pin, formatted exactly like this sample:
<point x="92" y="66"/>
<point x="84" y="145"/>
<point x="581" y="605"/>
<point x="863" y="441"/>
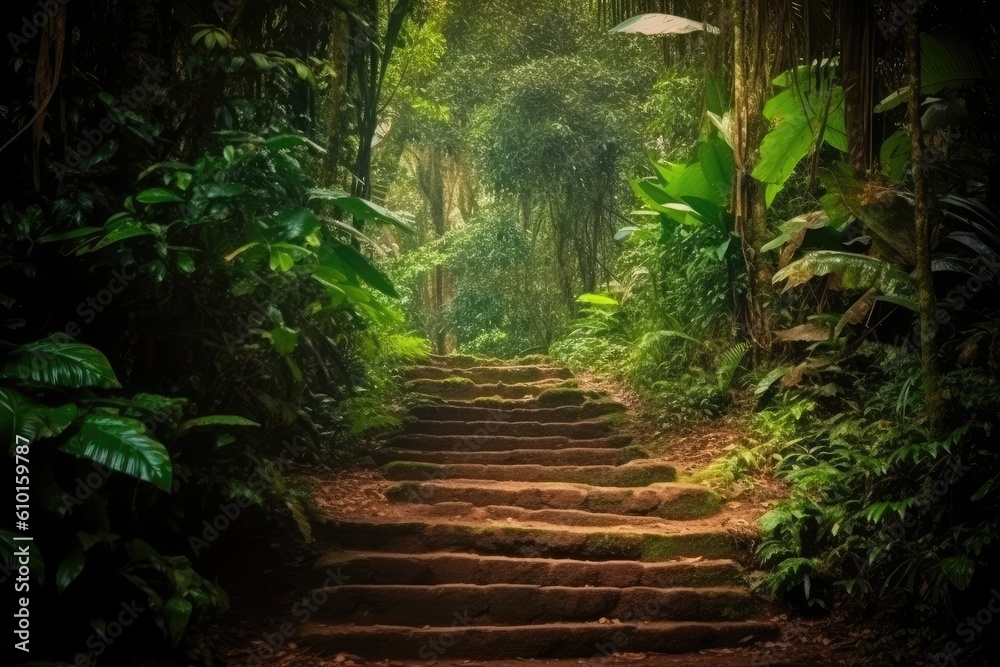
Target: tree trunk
<point x="927" y="301"/>
<point x="431" y="182"/>
<point x="752" y="56"/>
<point x="857" y="40"/>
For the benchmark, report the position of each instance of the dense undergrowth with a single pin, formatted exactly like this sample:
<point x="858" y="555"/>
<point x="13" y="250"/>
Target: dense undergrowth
<point x="190" y="309"/>
<point x="889" y="512"/>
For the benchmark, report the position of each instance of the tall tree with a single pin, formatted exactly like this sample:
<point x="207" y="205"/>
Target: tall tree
<point x="369" y="56"/>
<point x="753" y="67"/>
<point x="927" y="302"/>
<point x="857" y="45"/>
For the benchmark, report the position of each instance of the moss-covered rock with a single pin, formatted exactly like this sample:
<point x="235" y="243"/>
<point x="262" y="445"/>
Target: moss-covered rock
<point x="411" y="470"/>
<point x="557" y="396"/>
<point x="415" y="399"/>
<point x="596" y="407"/>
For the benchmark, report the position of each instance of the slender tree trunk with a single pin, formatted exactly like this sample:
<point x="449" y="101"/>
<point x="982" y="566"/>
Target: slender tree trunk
<point x="752" y="55"/>
<point x="927" y="302"/>
<point x="857" y="40"/>
<point x="431" y="182"/>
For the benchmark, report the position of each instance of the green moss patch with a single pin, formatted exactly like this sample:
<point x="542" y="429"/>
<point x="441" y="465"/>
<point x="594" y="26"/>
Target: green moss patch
<point x="596" y="407"/>
<point x="557" y="396"/>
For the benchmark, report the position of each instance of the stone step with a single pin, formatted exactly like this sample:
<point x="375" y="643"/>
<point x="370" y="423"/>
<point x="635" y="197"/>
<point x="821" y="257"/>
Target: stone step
<point x="563" y="414"/>
<point x="550" y="398"/>
<point x="490" y="374"/>
<point x="557" y="457"/>
<point x="500" y="443"/>
<point x="493" y="514"/>
<point x="458" y="568"/>
<point x="635" y="473"/>
<point x="667" y="501"/>
<point x="526" y="540"/>
<point x="472" y="361"/>
<point x="462" y="360"/>
<point x="464" y="388"/>
<point x="583" y="430"/>
<point x="520" y="604"/>
<point x="508" y="514"/>
<point x="553" y="640"/>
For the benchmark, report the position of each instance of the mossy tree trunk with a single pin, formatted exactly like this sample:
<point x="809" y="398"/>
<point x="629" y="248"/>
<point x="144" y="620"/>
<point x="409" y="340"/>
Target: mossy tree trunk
<point x="927" y="301"/>
<point x="753" y="53"/>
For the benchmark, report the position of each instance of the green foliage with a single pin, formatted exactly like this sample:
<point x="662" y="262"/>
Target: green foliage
<point x="500" y="308"/>
<point x="947" y="60"/>
<point x="377" y="408"/>
<point x="807" y="113"/>
<point x="854" y="272"/>
<point x="242" y="310"/>
<point x="114" y="435"/>
<point x="60" y="362"/>
<point x="122" y="444"/>
<point x="675" y="104"/>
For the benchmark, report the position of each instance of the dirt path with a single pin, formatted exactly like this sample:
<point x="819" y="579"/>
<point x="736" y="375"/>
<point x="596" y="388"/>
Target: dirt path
<point x="521" y="520"/>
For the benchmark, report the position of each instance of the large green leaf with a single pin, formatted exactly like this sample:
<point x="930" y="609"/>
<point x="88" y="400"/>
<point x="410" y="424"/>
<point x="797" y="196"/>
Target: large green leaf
<point x="76" y="233"/>
<point x="214" y="420"/>
<point x="279" y="142"/>
<point x="801" y="117"/>
<point x="176" y="613"/>
<point x="158" y="196"/>
<point x="371" y="212"/>
<point x="61" y="362"/>
<point x="946" y="61"/>
<point x="895" y="155"/>
<point x="959" y="570"/>
<point x="122" y="444"/>
<point x="359" y="265"/>
<point x="598" y="300"/>
<point x="716" y="160"/>
<point x="20" y="416"/>
<point x="691" y="194"/>
<point x="292" y="225"/>
<point x="855" y="272"/>
<point x="121" y="230"/>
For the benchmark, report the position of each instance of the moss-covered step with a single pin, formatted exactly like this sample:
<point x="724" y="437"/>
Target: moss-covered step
<point x="490" y="374"/>
<point x="562" y="414"/>
<point x="462" y="360"/>
<point x="635" y="473"/>
<point x="551" y="640"/>
<point x="666" y="501"/>
<point x="472" y="360"/>
<point x="458" y="568"/>
<point x="464" y="388"/>
<point x="497" y="443"/>
<point x="520" y="604"/>
<point x="550" y="398"/>
<point x="584" y="430"/>
<point x="581" y="456"/>
<point x="514" y="539"/>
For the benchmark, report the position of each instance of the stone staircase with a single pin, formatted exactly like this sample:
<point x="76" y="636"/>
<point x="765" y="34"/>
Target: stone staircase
<point x="528" y="528"/>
